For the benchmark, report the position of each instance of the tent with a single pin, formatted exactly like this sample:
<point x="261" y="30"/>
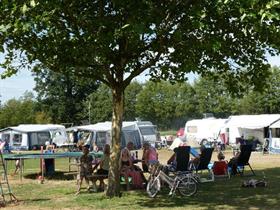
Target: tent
<point x="29" y="136"/>
<point x="99" y="134"/>
<point x="249" y="126"/>
<point x="274" y="140"/>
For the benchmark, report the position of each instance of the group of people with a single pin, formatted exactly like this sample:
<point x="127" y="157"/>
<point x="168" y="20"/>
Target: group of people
<point x="178" y="160"/>
<point x="129" y="170"/>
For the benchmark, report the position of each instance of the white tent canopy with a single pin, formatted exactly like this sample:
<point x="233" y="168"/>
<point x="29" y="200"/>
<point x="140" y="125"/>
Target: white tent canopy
<point x="102" y="126"/>
<point x="252" y="121"/>
<point x="24" y="128"/>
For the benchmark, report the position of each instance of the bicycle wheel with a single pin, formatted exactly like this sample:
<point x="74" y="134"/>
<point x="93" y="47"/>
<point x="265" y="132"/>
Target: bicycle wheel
<point x="153" y="187"/>
<point x="187" y="186"/>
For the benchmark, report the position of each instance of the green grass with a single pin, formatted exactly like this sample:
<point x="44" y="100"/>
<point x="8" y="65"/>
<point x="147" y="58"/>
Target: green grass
<point x="167" y="133"/>
<point x="58" y="193"/>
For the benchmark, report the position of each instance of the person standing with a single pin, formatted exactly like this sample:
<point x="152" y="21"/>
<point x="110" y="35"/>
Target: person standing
<point x="85" y="170"/>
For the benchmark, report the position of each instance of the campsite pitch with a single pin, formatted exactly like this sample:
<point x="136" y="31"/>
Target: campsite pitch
<point x="58" y="192"/>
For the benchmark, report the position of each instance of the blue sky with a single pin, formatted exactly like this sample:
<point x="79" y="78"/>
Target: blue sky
<point x="15" y="86"/>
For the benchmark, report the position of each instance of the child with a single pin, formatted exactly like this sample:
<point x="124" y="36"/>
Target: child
<point x="220" y="167"/>
<point x="85" y="168"/>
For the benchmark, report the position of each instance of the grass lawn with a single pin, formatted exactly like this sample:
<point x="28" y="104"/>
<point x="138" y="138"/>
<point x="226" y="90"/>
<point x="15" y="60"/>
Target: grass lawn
<point x="58" y="193"/>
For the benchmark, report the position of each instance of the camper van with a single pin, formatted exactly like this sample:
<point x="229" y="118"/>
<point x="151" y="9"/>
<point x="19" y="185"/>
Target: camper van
<point x="33" y="136"/>
<point x="203" y="131"/>
<point x="149" y="132"/>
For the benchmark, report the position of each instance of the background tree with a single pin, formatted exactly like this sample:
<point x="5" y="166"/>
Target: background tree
<point x="165" y="104"/>
<point x="21" y="111"/>
<point x="101" y="103"/>
<point x="62" y="95"/>
<point x="213" y="97"/>
<point x="266" y="101"/>
<point x="115" y="41"/>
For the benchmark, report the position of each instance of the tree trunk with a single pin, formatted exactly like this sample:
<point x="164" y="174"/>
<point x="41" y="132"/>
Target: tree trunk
<point x="114" y="172"/>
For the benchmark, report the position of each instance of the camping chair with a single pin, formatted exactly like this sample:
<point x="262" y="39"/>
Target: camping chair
<point x="220" y="169"/>
<point x="204" y="160"/>
<point x="243" y="159"/>
<point x="182" y="158"/>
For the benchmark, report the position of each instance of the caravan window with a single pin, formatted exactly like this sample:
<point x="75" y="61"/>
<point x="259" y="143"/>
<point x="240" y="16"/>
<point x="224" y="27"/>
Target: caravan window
<point x="101" y="138"/>
<point x="43" y="137"/>
<point x="17" y="139"/>
<point x="131" y="136"/>
<point x="39" y="138"/>
<point x="6" y="137"/>
<point x="276" y="133"/>
<point x="147" y="130"/>
<point x="192" y="129"/>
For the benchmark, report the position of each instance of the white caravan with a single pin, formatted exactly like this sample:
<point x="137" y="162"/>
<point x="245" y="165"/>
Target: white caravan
<point x="203" y="130"/>
<point x="248" y="126"/>
<point x="31" y="136"/>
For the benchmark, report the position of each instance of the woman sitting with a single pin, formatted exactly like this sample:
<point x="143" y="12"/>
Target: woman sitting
<point x="125" y="165"/>
<point x="128" y="170"/>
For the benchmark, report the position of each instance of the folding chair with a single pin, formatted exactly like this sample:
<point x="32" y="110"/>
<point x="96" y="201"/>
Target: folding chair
<point x="204" y="160"/>
<point x="182" y="158"/>
<point x="243" y="159"/>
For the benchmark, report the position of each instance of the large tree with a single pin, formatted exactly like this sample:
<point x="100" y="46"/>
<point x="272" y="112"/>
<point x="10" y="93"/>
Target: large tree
<point x="114" y="41"/>
<point x="62" y="95"/>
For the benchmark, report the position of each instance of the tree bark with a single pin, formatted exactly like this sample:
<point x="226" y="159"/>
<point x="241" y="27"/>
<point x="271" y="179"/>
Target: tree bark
<point x="114" y="172"/>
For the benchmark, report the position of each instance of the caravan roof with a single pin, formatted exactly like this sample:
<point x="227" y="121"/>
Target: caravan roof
<point x="24" y="128"/>
<point x="252" y="121"/>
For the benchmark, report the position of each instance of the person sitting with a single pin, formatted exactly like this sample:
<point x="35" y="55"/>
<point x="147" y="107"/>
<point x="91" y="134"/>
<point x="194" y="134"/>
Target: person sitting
<point x="233" y="163"/>
<point x="85" y="170"/>
<point x="194" y="162"/>
<point x="103" y="171"/>
<point x="136" y="170"/>
<point x="220" y="167"/>
<point x="125" y="165"/>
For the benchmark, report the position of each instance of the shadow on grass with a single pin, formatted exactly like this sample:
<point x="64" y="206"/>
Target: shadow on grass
<point x="59" y="175"/>
<point x="224" y="194"/>
<point x="38" y="199"/>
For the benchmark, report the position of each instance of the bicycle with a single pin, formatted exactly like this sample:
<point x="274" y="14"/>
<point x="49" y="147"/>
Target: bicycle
<point x="185" y="182"/>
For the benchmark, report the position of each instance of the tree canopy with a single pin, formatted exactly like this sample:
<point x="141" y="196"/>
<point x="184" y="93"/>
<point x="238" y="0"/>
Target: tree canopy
<point x="62" y="95"/>
<point x="114" y="41"/>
